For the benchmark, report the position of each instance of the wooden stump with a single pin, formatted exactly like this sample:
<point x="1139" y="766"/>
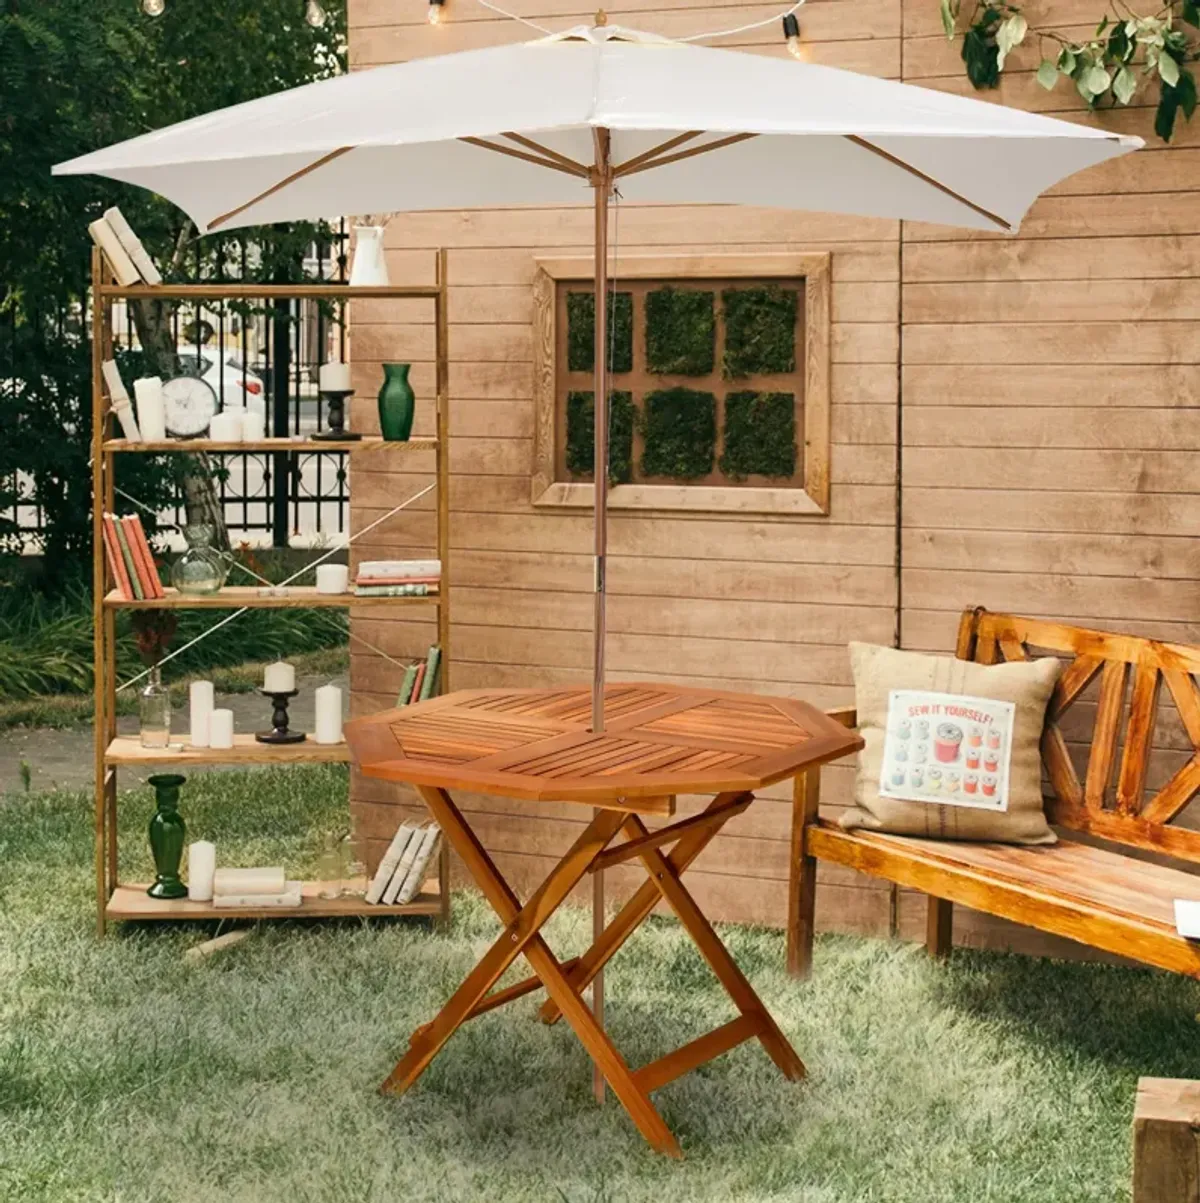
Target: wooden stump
<point x="1166" y="1141"/>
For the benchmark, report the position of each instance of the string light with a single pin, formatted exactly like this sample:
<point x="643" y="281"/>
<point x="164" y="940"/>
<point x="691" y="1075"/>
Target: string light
<point x="435" y="11"/>
<point x="153" y="8"/>
<point x="791" y="31"/>
<point x="314" y="14"/>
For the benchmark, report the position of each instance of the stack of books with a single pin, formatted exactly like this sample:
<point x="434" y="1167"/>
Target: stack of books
<point x="402" y="870"/>
<point x="421" y="678"/>
<point x="398" y="578"/>
<point x="123" y="249"/>
<point x="130" y="559"/>
<point x="253" y="888"/>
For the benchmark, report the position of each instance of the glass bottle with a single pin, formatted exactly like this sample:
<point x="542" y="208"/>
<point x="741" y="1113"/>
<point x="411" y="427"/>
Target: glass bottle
<point x="329" y="868"/>
<point x="154" y="711"/>
<point x="354" y="872"/>
<point x="201" y="568"/>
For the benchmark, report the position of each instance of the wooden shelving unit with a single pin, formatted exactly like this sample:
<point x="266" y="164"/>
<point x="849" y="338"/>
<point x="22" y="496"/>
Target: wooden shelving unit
<point x="116" y="900"/>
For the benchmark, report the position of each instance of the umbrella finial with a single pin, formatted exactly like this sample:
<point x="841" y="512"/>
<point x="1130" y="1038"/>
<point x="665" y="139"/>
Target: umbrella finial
<point x="601" y="17"/>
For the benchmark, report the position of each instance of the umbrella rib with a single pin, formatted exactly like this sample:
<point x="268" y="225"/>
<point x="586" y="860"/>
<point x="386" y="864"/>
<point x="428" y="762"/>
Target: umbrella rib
<point x="928" y="179"/>
<point x="576" y="169"/>
<point x="529" y="144"/>
<point x="663" y="160"/>
<point x="662" y="148"/>
<point x="291" y="179"/>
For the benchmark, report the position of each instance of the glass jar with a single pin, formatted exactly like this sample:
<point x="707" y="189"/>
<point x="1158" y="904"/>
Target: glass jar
<point x="329" y="868"/>
<point x="201" y="568"/>
<point x="353" y="870"/>
<point x="154" y="711"/>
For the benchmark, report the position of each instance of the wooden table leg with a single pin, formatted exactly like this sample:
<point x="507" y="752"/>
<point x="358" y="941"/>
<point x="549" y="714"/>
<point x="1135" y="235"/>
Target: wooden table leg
<point x="666" y="879"/>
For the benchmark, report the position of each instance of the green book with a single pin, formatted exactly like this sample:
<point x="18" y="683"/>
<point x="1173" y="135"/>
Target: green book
<point x="410" y="675"/>
<point x="429" y="684"/>
<point x="135" y="582"/>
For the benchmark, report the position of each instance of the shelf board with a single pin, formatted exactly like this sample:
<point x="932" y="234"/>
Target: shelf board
<point x="254" y="292"/>
<point x="132" y="902"/>
<point x="246" y="750"/>
<point x="368" y="443"/>
<point x="233" y="597"/>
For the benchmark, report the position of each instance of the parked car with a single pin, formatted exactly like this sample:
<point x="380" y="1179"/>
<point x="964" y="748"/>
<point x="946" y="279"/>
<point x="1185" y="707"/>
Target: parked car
<point x="232" y="381"/>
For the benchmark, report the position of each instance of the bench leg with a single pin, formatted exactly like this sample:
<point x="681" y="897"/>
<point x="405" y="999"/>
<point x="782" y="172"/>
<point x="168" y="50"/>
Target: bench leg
<point x="802" y="874"/>
<point x="939" y="927"/>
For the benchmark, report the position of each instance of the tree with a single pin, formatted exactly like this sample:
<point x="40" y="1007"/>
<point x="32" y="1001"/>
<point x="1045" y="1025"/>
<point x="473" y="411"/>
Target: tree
<point x="76" y="75"/>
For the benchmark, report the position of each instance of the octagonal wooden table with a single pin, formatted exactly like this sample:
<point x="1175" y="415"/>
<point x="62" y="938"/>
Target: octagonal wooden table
<point x="537" y="745"/>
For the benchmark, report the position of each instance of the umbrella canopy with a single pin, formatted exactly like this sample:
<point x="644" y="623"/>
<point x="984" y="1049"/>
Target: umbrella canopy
<point x="597" y="108"/>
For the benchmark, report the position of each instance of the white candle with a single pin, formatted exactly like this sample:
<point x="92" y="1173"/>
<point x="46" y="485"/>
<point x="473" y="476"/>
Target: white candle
<point x="226" y="427"/>
<point x="329" y="714"/>
<point x="332" y="578"/>
<point x="334" y="377"/>
<point x="151" y="409"/>
<point x="220" y="729"/>
<point x="200" y="702"/>
<point x="279" y="678"/>
<point x="202" y="866"/>
<point x="254" y="426"/>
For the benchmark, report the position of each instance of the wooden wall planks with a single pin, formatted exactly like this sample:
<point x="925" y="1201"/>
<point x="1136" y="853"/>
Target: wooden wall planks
<point x="1049" y="431"/>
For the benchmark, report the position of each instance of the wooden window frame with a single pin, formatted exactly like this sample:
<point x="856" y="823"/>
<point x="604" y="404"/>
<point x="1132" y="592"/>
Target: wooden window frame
<point x="810" y="499"/>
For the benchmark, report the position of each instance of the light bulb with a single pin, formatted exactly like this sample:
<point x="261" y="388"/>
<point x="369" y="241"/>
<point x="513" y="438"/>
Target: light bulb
<point x="435" y="12"/>
<point x="153" y="8"/>
<point x="791" y="31"/>
<point x="314" y="14"/>
<point x="794" y="48"/>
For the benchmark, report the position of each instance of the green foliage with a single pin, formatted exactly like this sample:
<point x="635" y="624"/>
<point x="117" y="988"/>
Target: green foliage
<point x="760" y="330"/>
<point x="581" y="435"/>
<point x="1126" y="50"/>
<point x="760" y="435"/>
<point x="679" y="431"/>
<point x="681" y="332"/>
<point x="581" y="332"/>
<point x="77" y="75"/>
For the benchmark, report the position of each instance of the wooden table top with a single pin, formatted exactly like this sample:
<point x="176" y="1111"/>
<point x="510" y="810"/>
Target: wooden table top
<point x="659" y="741"/>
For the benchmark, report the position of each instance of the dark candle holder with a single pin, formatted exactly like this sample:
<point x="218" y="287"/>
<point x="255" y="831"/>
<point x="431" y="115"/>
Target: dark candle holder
<point x="337" y="432"/>
<point x="279" y="733"/>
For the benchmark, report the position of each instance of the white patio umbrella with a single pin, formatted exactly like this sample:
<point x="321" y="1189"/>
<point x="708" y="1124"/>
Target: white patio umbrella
<point x="596" y="107"/>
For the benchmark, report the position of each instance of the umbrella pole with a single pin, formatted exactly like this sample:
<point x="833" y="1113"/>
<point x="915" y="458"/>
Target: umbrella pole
<point x="602" y="187"/>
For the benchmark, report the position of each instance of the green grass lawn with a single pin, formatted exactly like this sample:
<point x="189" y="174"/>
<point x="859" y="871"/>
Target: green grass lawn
<point x="128" y="1074"/>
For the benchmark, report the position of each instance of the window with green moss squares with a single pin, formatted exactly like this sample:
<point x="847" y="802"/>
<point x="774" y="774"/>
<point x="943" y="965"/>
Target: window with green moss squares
<point x="581" y="435"/>
<point x="681" y="331"/>
<point x="760" y="331"/>
<point x="679" y="434"/>
<point x="581" y="331"/>
<point x="759" y="435"/>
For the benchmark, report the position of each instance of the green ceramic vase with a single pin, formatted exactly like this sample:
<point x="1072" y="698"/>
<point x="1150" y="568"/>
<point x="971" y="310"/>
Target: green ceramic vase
<point x="167" y="833"/>
<point x="397" y="403"/>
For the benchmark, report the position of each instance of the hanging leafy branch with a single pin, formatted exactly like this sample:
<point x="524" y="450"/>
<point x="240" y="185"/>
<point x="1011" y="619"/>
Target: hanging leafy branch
<point x="1126" y="52"/>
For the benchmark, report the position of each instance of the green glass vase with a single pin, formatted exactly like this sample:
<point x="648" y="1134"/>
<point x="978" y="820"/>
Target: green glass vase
<point x="397" y="404"/>
<point x="167" y="834"/>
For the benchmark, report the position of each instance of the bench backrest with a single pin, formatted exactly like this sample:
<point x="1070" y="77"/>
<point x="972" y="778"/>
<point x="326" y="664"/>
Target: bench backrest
<point x="1108" y="774"/>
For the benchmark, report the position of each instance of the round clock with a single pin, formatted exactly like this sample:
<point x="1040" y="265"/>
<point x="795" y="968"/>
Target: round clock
<point x="190" y="404"/>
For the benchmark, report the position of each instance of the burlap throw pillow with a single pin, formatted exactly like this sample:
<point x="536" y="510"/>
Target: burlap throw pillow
<point x="950" y="747"/>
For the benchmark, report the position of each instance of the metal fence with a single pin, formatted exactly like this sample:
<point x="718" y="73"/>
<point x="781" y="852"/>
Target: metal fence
<point x="265" y="356"/>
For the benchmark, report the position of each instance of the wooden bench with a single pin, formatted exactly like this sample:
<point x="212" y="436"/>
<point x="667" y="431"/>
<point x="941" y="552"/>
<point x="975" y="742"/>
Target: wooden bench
<point x="1096" y="886"/>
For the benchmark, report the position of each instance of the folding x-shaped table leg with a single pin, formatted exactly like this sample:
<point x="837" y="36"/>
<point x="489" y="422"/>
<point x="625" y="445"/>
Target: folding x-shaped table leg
<point x="521" y="935"/>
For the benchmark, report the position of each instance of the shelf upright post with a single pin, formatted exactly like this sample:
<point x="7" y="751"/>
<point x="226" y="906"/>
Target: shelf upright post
<point x="442" y="351"/>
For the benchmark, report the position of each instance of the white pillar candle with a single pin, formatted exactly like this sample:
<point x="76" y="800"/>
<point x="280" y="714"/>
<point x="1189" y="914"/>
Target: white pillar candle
<point x="332" y="578"/>
<point x="220" y="729"/>
<point x="226" y="427"/>
<point x="200" y="705"/>
<point x="254" y="426"/>
<point x="329" y="714"/>
<point x="202" y="865"/>
<point x="334" y="377"/>
<point x="279" y="678"/>
<point x="151" y="409"/>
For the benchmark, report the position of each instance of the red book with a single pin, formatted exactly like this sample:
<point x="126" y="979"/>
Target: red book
<point x="416" y="689"/>
<point x="116" y="562"/>
<point x="145" y="575"/>
<point x="151" y="567"/>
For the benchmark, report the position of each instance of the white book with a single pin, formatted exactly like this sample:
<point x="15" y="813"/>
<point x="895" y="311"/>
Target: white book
<point x="105" y="237"/>
<point x="271" y="880"/>
<point x="416" y="874"/>
<point x="403" y="865"/>
<point x="133" y="245"/>
<point x="1187" y="918"/>
<point x="391" y="858"/>
<point x="290" y="895"/>
<point x="112" y="377"/>
<point x="370" y="568"/>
